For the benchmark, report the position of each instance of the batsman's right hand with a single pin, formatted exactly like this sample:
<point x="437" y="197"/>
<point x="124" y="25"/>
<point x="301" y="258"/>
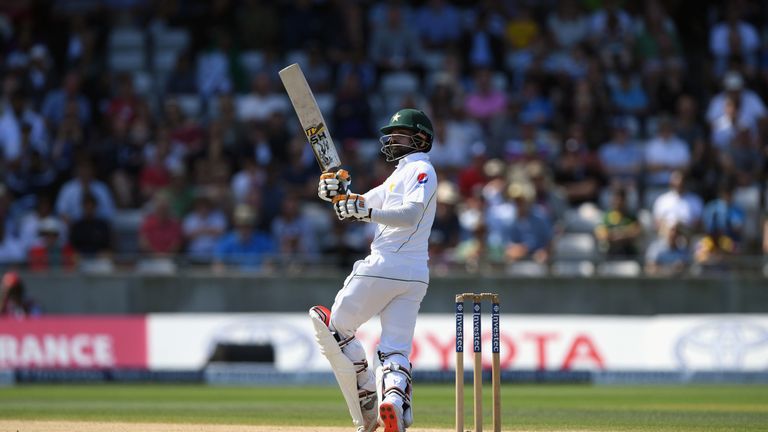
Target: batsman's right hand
<point x="333" y="184"/>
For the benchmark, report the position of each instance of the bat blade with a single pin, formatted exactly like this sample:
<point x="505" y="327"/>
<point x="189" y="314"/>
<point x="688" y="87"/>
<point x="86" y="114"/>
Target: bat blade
<point x="310" y="117"/>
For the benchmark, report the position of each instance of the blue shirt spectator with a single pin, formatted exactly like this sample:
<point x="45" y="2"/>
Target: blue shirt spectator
<point x="55" y="103"/>
<point x="69" y="202"/>
<point x="530" y="234"/>
<point x="724" y="217"/>
<point x="440" y="23"/>
<point x="622" y="158"/>
<point x="244" y="247"/>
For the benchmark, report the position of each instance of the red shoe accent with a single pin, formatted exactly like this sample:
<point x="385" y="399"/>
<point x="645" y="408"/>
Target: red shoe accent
<point x="388" y="416"/>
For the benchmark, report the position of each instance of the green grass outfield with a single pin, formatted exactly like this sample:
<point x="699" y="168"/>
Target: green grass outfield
<point x="524" y="407"/>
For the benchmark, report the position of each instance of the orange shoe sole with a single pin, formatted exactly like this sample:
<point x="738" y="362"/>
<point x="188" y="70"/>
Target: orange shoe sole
<point x="388" y="416"/>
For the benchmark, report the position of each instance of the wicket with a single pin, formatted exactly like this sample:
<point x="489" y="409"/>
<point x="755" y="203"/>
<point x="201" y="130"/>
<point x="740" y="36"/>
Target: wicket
<point x="478" y="361"/>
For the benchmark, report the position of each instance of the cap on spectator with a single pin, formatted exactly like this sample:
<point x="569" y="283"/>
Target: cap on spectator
<point x="48" y="225"/>
<point x="520" y="191"/>
<point x="733" y="81"/>
<point x="447" y="192"/>
<point x="244" y="215"/>
<point x="494" y="168"/>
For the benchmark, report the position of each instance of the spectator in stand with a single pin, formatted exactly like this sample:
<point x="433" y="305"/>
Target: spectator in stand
<point x="244" y="247"/>
<point x="30" y="223"/>
<point x="536" y="107"/>
<point x="21" y="128"/>
<point x="56" y="101"/>
<point x="251" y="176"/>
<point x="628" y="96"/>
<point x="351" y="111"/>
<point x="215" y="66"/>
<point x="549" y="200"/>
<point x="619" y="232"/>
<point x="669" y="254"/>
<point x="12" y="249"/>
<point x="180" y="191"/>
<point x="484" y="102"/>
<point x="531" y="145"/>
<point x="160" y="234"/>
<point x="261" y="101"/>
<point x="476" y="253"/>
<point x="657" y="40"/>
<point x="751" y="108"/>
<point x="612" y="33"/>
<point x="39" y="77"/>
<point x="203" y="227"/>
<point x="183" y="129"/>
<point x="678" y="205"/>
<point x="395" y="45"/>
<point x="317" y="68"/>
<point x="182" y="78"/>
<point x="622" y="158"/>
<point x="665" y="154"/>
<point x="577" y="169"/>
<point x="723" y="224"/>
<point x="440" y="24"/>
<point x="49" y="253"/>
<point x="472" y="178"/>
<point x="689" y="127"/>
<point x="522" y="29"/>
<point x="726" y="127"/>
<point x="567" y="24"/>
<point x="481" y="46"/>
<point x="450" y="149"/>
<point x="69" y="203"/>
<point x="124" y="106"/>
<point x="445" y="229"/>
<point x="32" y="172"/>
<point x="743" y="159"/>
<point x="530" y="235"/>
<point x="91" y="235"/>
<point x="732" y="39"/>
<point x="15" y="302"/>
<point x="69" y="138"/>
<point x="293" y="233"/>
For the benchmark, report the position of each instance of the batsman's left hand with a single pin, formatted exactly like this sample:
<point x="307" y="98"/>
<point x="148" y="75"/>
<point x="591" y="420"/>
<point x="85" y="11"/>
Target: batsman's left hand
<point x="351" y="206"/>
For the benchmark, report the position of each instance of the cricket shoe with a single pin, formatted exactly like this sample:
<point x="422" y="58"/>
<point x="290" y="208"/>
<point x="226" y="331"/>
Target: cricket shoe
<point x="391" y="417"/>
<point x="370" y="415"/>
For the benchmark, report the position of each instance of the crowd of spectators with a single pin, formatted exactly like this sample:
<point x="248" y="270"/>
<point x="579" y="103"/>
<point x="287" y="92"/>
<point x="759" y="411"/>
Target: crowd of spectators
<point x="568" y="133"/>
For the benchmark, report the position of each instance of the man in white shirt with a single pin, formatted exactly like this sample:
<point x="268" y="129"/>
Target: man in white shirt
<point x="751" y="111"/>
<point x="678" y="206"/>
<point x="664" y="154"/>
<point x="390" y="282"/>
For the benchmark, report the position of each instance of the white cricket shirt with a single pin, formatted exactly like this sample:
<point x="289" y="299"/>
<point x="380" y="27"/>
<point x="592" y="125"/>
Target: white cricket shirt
<point x="414" y="180"/>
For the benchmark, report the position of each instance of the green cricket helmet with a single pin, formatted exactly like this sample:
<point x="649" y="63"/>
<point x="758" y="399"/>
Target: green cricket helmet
<point x="398" y="145"/>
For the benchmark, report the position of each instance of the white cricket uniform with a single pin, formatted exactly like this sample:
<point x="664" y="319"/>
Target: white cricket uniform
<point x="393" y="279"/>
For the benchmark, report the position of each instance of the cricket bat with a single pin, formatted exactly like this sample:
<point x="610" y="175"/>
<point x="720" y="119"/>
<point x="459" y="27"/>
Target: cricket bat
<point x="311" y="118"/>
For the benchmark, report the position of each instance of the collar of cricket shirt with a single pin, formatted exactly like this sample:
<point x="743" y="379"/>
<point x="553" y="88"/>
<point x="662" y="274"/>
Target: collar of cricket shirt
<point x="413" y="157"/>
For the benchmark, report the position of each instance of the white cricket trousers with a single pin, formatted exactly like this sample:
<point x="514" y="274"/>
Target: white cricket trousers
<point x="390" y="286"/>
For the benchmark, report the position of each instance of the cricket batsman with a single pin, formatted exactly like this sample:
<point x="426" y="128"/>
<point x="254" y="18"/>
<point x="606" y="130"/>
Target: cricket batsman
<point x="391" y="281"/>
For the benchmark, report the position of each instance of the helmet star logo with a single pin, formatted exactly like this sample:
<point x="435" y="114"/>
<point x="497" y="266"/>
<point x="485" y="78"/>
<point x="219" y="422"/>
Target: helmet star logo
<point x="395" y="117"/>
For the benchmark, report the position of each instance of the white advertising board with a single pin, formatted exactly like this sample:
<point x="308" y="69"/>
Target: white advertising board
<point x="528" y="342"/>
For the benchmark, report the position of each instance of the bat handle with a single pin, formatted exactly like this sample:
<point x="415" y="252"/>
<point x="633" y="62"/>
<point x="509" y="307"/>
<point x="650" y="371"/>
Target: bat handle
<point x="345" y="179"/>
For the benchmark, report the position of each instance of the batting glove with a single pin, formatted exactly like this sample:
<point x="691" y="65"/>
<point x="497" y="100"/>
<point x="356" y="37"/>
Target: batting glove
<point x="351" y="206"/>
<point x="333" y="184"/>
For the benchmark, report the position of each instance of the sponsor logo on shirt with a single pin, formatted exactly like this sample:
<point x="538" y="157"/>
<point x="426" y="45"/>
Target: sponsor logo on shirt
<point x="422" y="178"/>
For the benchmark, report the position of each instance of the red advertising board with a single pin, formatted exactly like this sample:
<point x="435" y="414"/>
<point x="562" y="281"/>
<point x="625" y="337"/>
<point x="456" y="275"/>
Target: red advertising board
<point x="74" y="342"/>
